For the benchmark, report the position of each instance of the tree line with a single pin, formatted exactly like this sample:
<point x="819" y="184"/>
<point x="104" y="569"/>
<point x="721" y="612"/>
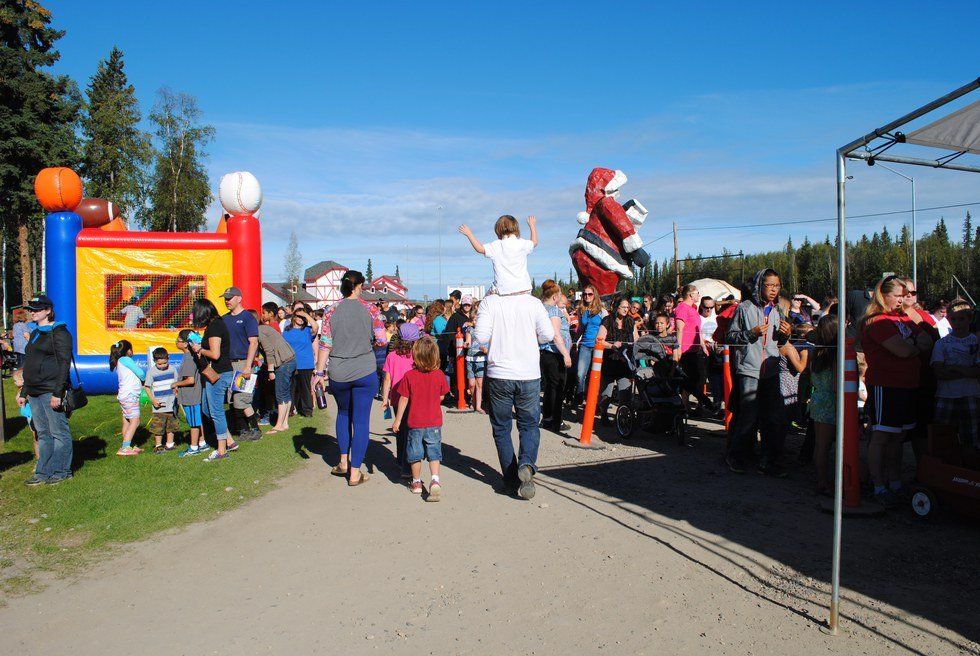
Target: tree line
<point x="811" y="267"/>
<point x="156" y="177"/>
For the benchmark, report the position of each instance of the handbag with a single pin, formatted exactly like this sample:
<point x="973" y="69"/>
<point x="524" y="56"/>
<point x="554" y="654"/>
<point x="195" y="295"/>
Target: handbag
<point x="207" y="371"/>
<point x="74" y="396"/>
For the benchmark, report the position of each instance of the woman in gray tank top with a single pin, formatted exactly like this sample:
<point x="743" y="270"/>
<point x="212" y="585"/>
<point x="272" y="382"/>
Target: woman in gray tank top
<point x="349" y="331"/>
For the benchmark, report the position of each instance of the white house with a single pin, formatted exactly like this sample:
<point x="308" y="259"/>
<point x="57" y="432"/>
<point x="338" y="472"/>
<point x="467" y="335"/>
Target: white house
<point x="322" y="281"/>
<point x="389" y="287"/>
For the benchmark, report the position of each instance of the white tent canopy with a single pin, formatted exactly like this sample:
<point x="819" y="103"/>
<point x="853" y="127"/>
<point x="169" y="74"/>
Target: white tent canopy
<point x="716" y="289"/>
<point x="959" y="131"/>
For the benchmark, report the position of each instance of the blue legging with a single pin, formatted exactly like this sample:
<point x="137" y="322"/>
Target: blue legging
<point x="354" y="401"/>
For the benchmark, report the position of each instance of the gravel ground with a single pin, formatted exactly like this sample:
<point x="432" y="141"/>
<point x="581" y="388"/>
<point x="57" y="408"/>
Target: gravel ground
<point x="645" y="547"/>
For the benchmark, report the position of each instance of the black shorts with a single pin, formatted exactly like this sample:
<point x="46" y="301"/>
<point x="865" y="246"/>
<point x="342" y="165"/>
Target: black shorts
<point x="892" y="409"/>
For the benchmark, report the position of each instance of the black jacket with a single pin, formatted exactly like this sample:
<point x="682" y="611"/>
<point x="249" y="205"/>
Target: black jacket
<point x="456" y="322"/>
<point x="47" y="359"/>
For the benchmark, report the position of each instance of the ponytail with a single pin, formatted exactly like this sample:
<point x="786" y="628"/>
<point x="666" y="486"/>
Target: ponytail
<point x="118" y="350"/>
<point x="350" y="281"/>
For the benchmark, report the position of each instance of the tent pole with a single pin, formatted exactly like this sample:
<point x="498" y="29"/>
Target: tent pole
<point x="839" y="453"/>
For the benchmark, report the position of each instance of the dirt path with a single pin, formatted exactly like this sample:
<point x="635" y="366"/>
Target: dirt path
<point x="645" y="548"/>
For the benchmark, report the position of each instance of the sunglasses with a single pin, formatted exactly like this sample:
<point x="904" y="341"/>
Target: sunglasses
<point x="588" y="294"/>
<point x="913" y="293"/>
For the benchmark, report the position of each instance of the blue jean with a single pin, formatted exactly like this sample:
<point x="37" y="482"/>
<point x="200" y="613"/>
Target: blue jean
<point x="284" y="381"/>
<point x="504" y="397"/>
<point x="424" y="444"/>
<point x="354" y="399"/>
<point x="54" y="446"/>
<point x="584" y="365"/>
<point x="214" y="403"/>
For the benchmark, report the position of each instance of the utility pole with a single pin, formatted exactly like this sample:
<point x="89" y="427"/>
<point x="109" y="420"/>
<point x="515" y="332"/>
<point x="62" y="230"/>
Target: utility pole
<point x="677" y="270"/>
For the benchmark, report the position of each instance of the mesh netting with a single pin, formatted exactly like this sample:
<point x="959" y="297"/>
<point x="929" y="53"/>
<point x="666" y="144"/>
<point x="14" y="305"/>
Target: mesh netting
<point x="150" y="301"/>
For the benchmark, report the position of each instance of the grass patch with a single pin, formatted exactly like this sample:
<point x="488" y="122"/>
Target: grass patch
<point x="113" y="500"/>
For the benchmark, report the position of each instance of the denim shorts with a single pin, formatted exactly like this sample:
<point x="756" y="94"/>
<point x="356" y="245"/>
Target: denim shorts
<point x="476" y="368"/>
<point x="284" y="381"/>
<point x="424" y="444"/>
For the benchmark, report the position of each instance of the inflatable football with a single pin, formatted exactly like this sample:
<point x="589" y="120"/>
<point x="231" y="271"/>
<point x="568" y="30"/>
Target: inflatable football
<point x="240" y="193"/>
<point x="96" y="212"/>
<point x="58" y="189"/>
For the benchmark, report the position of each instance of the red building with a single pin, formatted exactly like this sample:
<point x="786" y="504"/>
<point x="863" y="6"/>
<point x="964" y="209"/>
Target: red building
<point x="389" y="287"/>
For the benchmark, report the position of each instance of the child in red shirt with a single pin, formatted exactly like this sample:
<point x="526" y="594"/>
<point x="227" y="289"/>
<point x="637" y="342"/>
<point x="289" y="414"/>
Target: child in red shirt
<point x="420" y="392"/>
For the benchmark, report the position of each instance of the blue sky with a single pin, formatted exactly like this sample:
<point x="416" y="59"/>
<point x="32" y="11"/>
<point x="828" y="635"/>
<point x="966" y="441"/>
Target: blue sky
<point x="361" y="119"/>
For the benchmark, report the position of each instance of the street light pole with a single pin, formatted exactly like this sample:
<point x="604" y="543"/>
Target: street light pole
<point x="915" y="259"/>
<point x="439" y="212"/>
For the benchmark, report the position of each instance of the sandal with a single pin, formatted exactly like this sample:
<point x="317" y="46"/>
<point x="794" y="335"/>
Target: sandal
<point x="272" y="431"/>
<point x="363" y="479"/>
<point x="337" y="471"/>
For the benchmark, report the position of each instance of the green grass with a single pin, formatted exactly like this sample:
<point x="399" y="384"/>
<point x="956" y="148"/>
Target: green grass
<point x="55" y="530"/>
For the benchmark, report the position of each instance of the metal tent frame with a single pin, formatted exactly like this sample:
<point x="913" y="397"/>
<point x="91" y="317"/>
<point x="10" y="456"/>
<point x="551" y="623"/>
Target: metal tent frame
<point x="869" y="148"/>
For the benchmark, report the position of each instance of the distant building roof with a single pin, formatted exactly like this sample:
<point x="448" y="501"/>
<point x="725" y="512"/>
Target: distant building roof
<point x="279" y="289"/>
<point x="317" y="270"/>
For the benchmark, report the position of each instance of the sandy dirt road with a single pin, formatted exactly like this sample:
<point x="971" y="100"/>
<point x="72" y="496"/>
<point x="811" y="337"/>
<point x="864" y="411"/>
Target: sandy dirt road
<point x="643" y="548"/>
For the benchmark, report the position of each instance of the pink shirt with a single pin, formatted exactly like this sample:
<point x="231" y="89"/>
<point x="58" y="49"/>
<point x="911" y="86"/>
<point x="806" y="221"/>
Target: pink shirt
<point x="397" y="366"/>
<point x="692" y="325"/>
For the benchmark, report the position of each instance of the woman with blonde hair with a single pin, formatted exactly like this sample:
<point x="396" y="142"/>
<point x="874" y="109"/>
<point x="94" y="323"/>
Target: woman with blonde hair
<point x="590" y="313"/>
<point x="893" y="346"/>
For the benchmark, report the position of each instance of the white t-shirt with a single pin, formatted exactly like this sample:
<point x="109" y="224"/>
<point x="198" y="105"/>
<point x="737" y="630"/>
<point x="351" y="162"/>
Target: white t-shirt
<point x="509" y="258"/>
<point x="514" y="327"/>
<point x="963" y="351"/>
<point x="708" y="326"/>
<point x="132" y="314"/>
<point x="942" y="325"/>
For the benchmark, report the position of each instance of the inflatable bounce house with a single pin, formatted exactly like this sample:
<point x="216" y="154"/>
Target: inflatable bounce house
<point x="109" y="283"/>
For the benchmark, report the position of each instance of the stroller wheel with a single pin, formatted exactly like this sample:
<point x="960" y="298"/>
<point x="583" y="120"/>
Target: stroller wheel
<point x="680" y="429"/>
<point x="625" y="420"/>
<point x="923" y="502"/>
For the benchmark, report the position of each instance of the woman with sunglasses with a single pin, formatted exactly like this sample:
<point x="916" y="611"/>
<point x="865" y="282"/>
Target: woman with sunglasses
<point x="590" y="313"/>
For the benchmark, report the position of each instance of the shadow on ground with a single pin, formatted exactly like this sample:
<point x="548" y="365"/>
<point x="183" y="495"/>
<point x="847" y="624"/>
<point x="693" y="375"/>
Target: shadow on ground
<point x="926" y="569"/>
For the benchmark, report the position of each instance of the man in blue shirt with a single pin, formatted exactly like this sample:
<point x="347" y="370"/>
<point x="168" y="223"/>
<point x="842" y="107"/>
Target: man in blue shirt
<point x="243" y="345"/>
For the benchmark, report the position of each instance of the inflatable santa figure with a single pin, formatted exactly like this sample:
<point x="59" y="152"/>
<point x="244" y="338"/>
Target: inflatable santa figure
<point x="608" y="243"/>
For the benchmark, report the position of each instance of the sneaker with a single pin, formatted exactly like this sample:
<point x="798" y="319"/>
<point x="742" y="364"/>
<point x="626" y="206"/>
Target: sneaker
<point x="526" y="489"/>
<point x="214" y="455"/>
<point x="772" y="470"/>
<point x="264" y="421"/>
<point x="158" y="449"/>
<point x="128" y="451"/>
<point x="35" y="480"/>
<point x="232" y="447"/>
<point x="435" y="491"/>
<point x="560" y="428"/>
<point x="203" y="447"/>
<point x="54" y="480"/>
<point x="415" y="487"/>
<point x="189" y="452"/>
<point x="250" y="435"/>
<point x="735" y="464"/>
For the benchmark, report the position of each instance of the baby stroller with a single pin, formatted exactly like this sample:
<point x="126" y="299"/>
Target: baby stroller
<point x="654" y="401"/>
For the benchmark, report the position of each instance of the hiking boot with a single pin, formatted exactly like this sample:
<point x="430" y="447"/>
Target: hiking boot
<point x="526" y="489"/>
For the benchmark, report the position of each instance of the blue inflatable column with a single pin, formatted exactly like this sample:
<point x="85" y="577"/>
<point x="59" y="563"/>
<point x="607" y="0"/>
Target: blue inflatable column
<point x="60" y="231"/>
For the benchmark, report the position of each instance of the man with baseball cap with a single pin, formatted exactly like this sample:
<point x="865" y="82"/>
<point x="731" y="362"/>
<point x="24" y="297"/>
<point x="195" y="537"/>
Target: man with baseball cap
<point x="243" y="345"/>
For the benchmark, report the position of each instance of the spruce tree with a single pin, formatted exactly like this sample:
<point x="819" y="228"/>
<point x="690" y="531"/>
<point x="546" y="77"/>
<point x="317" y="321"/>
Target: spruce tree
<point x="180" y="191"/>
<point x="369" y="272"/>
<point x="38" y="119"/>
<point x="116" y="153"/>
<point x="397" y="273"/>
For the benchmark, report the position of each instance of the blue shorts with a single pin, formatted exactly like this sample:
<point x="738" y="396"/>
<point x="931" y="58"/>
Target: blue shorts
<point x="424" y="444"/>
<point x="476" y="368"/>
<point x="192" y="413"/>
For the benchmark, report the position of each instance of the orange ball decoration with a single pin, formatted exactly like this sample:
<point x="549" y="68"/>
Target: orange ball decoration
<point x="58" y="189"/>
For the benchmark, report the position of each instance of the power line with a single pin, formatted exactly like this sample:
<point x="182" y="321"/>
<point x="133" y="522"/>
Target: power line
<point x="802" y="221"/>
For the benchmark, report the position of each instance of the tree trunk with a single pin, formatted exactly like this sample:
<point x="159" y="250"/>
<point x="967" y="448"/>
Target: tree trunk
<point x="25" y="262"/>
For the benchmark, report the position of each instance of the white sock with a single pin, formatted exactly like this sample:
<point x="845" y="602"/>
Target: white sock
<point x="435" y="479"/>
<point x="416" y="480"/>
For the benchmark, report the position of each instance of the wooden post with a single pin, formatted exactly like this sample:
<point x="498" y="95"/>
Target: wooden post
<point x="677" y="269"/>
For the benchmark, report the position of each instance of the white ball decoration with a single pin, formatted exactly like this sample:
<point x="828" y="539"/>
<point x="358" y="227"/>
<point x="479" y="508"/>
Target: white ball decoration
<point x="240" y="193"/>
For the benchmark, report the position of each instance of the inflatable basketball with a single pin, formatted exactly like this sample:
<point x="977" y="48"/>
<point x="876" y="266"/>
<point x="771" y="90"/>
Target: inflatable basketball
<point x="58" y="189"/>
<point x="96" y="212"/>
<point x="240" y="193"/>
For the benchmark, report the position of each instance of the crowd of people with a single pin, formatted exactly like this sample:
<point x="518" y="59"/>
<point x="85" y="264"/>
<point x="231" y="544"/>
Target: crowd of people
<point x="526" y="360"/>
